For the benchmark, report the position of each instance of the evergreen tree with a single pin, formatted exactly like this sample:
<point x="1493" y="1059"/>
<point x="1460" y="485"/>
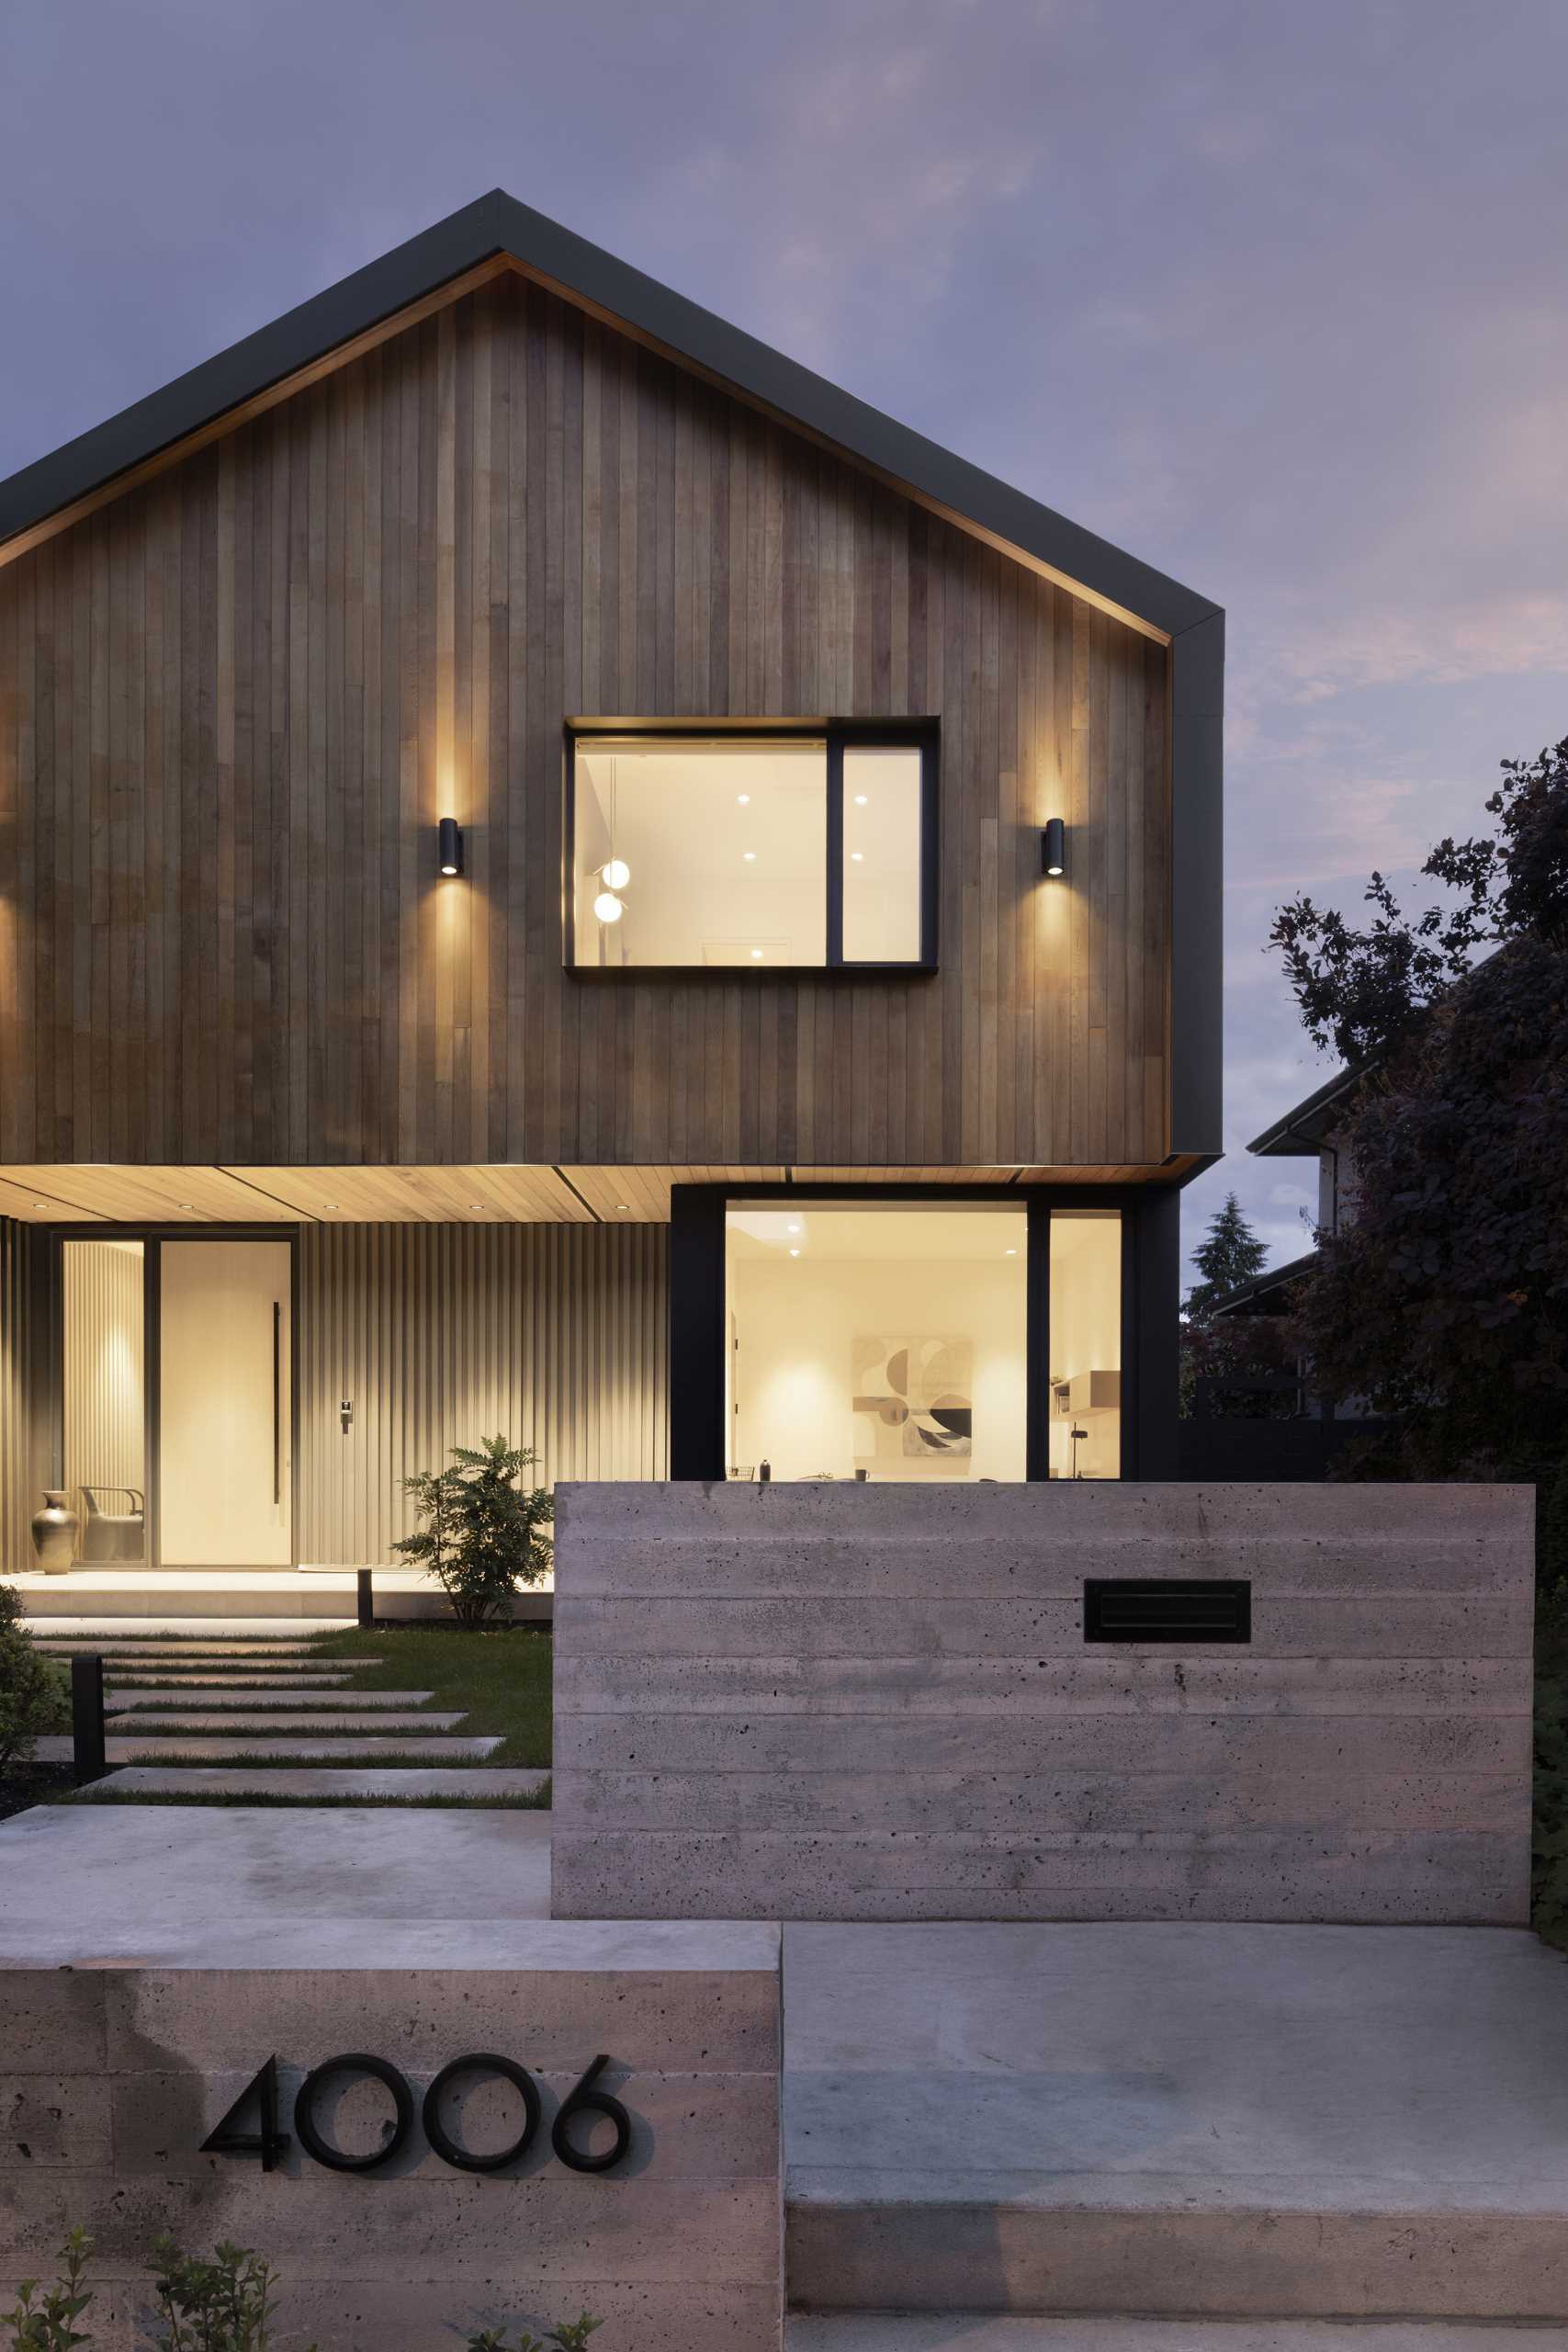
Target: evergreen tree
<point x="1231" y="1255"/>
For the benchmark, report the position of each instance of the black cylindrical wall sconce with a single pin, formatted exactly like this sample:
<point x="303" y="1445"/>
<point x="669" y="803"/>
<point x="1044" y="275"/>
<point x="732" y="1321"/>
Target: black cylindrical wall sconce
<point x="449" y="845"/>
<point x="1054" y="847"/>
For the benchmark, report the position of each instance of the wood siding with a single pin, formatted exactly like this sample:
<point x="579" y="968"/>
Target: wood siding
<point x="235" y="700"/>
<point x="553" y="1335"/>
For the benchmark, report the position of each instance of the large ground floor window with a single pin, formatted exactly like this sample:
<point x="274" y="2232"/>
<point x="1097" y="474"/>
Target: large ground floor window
<point x="878" y="1341"/>
<point x="911" y="1339"/>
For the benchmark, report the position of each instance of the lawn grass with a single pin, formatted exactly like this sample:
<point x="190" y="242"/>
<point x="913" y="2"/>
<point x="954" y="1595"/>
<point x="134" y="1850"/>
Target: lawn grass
<point x="500" y="1682"/>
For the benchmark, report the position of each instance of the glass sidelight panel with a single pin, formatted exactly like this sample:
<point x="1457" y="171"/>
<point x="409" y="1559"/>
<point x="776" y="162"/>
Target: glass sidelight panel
<point x="105" y="1416"/>
<point x="882" y="1340"/>
<point x="224" y="1449"/>
<point x="1086" y="1344"/>
<point x="882" y="854"/>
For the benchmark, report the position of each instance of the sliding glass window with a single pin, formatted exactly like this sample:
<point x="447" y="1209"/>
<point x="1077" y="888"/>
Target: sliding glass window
<point x="757" y="853"/>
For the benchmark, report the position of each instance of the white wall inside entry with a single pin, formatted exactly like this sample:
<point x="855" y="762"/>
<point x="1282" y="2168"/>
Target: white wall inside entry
<point x="885" y="1339"/>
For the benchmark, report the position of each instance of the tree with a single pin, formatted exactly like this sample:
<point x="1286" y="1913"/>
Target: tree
<point x="1445" y="1302"/>
<point x="1232" y="1254"/>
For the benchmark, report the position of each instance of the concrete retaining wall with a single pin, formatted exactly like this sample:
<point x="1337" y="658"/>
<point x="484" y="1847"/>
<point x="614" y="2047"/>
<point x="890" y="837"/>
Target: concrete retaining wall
<point x="111" y="2078"/>
<point x="875" y="1701"/>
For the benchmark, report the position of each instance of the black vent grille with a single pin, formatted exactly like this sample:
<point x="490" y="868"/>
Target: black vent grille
<point x="1167" y="1609"/>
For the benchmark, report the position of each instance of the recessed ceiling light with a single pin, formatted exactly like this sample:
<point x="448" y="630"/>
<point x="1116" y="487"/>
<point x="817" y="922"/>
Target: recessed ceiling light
<point x="750" y="855"/>
<point x="187" y="1205"/>
<point x="858" y="855"/>
<point x="38" y="1205"/>
<point x="860" y="800"/>
<point x="744" y="798"/>
<point x="756" y="954"/>
<point x="794" y="1228"/>
<point x="1010" y="1253"/>
<point x="476" y="1205"/>
<point x="623" y="1204"/>
<point x="329" y="1204"/>
<point x="795" y="1253"/>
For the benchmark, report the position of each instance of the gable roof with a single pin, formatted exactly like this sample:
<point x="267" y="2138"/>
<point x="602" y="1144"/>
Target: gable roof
<point x="499" y="231"/>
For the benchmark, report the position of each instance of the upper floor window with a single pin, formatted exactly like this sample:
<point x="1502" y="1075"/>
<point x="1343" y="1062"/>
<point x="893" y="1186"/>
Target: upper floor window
<point x="754" y="851"/>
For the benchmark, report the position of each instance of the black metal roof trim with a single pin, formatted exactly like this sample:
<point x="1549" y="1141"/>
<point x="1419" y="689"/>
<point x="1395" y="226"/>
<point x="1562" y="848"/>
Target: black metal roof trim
<point x="1299" y="1132"/>
<point x="498" y="224"/>
<point x="1245" y="1295"/>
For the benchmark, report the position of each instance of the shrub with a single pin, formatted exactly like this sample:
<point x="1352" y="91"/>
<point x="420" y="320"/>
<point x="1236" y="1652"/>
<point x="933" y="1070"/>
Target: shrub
<point x="221" y="2303"/>
<point x="35" y="1691"/>
<point x="482" y="1536"/>
<point x="50" y="2325"/>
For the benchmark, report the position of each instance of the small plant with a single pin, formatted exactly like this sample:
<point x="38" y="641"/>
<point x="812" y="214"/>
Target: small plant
<point x="483" y="1533"/>
<point x="570" y="2336"/>
<point x="35" y="1693"/>
<point x="222" y="2303"/>
<point x="50" y="2325"/>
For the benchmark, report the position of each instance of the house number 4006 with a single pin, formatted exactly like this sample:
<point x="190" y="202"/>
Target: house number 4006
<point x="228" y="2139"/>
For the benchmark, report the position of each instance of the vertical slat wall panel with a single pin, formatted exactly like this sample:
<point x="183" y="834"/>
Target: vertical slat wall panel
<point x="440" y="1334"/>
<point x="234" y="703"/>
<point x="21" y="1473"/>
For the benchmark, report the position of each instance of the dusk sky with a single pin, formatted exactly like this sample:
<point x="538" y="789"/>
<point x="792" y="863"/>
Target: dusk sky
<point x="1275" y="297"/>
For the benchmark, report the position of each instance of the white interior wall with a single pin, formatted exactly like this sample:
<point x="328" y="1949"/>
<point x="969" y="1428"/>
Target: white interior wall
<point x="796" y="1320"/>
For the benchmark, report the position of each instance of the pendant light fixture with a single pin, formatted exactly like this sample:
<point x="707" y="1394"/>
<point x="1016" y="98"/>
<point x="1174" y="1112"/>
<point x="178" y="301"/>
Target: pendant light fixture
<point x="614" y="873"/>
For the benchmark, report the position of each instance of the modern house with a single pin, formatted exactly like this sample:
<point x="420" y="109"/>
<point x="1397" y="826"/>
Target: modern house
<point x="558" y="873"/>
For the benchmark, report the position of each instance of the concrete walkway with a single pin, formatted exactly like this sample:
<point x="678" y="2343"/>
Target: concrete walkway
<point x="973" y="2332"/>
<point x="234" y="1887"/>
<point x="1195" y="2122"/>
<point x="324" y="1784"/>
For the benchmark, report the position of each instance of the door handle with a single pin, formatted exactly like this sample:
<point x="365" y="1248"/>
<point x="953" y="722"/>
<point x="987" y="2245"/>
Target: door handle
<point x="276" y="1401"/>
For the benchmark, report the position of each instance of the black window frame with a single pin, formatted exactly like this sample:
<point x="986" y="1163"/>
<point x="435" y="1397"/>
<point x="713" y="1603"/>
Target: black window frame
<point x="839" y="734"/>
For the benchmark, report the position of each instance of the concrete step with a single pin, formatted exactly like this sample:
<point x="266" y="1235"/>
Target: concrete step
<point x="318" y="1781"/>
<point x="972" y="2332"/>
<point x="320" y="1703"/>
<point x="155" y="1681"/>
<point x="153" y="1722"/>
<point x="1197" y="2122"/>
<point x="168" y="1644"/>
<point x="56" y="1748"/>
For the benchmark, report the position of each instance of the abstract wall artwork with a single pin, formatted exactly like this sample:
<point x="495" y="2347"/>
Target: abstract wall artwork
<point x="913" y="1404"/>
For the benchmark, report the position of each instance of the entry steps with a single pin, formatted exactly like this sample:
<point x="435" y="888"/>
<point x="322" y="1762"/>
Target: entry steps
<point x="1217" y="2125"/>
<point x="190" y="1713"/>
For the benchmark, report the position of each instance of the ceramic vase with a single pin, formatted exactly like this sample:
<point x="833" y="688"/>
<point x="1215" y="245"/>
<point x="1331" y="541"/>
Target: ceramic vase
<point x="55" y="1530"/>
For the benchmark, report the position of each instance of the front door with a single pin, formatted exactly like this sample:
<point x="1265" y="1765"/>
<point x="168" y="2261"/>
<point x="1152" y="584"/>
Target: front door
<point x="224" y="1385"/>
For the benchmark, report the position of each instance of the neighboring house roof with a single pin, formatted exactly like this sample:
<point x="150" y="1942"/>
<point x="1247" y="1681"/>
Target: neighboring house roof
<point x="1265" y="1293"/>
<point x="497" y="227"/>
<point x="1301" y="1133"/>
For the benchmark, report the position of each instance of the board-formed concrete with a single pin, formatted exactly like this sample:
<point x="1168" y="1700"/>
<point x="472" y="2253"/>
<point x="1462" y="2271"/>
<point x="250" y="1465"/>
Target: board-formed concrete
<point x="114" y="2076"/>
<point x="877" y="1702"/>
<point x="1181" y="2121"/>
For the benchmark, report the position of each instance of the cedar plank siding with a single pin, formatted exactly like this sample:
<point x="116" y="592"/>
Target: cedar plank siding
<point x="234" y="701"/>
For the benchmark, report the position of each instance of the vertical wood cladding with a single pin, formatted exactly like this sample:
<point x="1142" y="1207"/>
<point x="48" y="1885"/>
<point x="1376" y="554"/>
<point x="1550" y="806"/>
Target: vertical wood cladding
<point x="235" y="701"/>
<point x="442" y="1334"/>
